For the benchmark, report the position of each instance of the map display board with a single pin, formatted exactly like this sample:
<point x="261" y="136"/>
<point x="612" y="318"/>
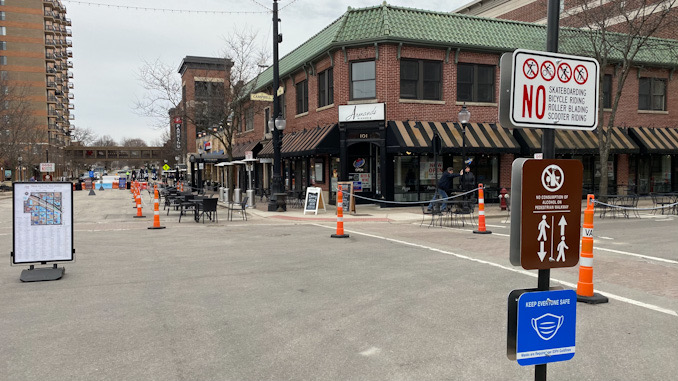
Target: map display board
<point x="43" y="222"/>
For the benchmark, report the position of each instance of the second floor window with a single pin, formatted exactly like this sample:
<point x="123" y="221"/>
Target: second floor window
<point x="652" y="94"/>
<point x="607" y="91"/>
<point x="325" y="88"/>
<point x="420" y="79"/>
<point x="363" y="80"/>
<point x="475" y="83"/>
<point x="249" y="119"/>
<point x="302" y="96"/>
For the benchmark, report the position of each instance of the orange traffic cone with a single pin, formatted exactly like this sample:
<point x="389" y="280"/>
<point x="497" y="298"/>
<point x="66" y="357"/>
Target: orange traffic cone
<point x="340" y="215"/>
<point x="481" y="212"/>
<point x="139" y="215"/>
<point x="585" y="285"/>
<point x="156" y="212"/>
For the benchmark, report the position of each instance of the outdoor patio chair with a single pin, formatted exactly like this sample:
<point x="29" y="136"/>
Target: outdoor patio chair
<point x="242" y="208"/>
<point x="209" y="208"/>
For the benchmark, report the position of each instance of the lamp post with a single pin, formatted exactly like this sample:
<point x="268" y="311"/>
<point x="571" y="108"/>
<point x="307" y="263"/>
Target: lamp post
<point x="21" y="174"/>
<point x="464" y="117"/>
<point x="277" y="123"/>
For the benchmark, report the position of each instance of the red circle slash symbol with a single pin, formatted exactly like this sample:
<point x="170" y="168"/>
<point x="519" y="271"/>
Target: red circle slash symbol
<point x="581" y="74"/>
<point x="530" y="68"/>
<point x="564" y="72"/>
<point x="548" y="70"/>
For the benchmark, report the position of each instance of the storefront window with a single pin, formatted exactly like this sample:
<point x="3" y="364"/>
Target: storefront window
<point x="405" y="178"/>
<point x="661" y="173"/>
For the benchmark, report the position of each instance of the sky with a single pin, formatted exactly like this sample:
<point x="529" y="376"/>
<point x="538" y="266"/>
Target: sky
<point x="111" y="44"/>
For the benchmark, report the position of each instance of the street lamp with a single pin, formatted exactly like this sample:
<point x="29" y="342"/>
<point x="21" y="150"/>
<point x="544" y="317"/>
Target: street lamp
<point x="464" y="117"/>
<point x="276" y="182"/>
<point x="21" y="175"/>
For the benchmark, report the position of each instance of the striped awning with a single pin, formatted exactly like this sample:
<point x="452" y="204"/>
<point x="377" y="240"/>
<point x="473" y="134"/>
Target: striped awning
<point x="322" y="139"/>
<point x="480" y="137"/>
<point x="240" y="149"/>
<point x="656" y="140"/>
<point x="576" y="141"/>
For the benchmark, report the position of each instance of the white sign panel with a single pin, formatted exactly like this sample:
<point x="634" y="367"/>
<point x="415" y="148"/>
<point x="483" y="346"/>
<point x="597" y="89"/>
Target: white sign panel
<point x="47" y="167"/>
<point x="362" y="113"/>
<point x="43" y="222"/>
<point x="551" y="90"/>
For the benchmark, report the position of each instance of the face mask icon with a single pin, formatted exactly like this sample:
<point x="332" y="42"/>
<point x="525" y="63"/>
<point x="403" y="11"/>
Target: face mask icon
<point x="547" y="325"/>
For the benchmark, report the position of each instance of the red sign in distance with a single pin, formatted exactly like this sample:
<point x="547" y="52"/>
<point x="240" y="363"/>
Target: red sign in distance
<point x="550" y="213"/>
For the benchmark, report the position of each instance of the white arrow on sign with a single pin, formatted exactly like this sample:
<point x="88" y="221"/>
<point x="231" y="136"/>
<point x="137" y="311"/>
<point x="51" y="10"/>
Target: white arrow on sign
<point x="562" y="223"/>
<point x="541" y="253"/>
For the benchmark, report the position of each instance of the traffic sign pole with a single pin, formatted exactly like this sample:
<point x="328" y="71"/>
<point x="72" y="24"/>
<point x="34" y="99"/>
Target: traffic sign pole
<point x="548" y="142"/>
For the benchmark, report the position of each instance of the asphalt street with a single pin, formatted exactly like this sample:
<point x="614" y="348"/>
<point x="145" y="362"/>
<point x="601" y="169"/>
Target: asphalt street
<point x="276" y="298"/>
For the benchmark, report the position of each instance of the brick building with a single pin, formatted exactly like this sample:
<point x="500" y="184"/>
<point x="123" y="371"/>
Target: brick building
<point x="364" y="97"/>
<point x="34" y="61"/>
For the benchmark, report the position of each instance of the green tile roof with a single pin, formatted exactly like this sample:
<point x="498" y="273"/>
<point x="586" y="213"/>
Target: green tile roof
<point x="390" y="24"/>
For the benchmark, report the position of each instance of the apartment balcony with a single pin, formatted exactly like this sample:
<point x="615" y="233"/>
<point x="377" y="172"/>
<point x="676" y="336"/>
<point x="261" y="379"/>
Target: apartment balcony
<point x="71" y="96"/>
<point x="68" y="21"/>
<point x="50" y="42"/>
<point x="51" y="99"/>
<point x="69" y="64"/>
<point x="70" y="85"/>
<point x="70" y="74"/>
<point x="49" y="15"/>
<point x="69" y="53"/>
<point x="69" y="32"/>
<point x="71" y="117"/>
<point x="51" y="84"/>
<point x="71" y="106"/>
<point x="69" y="43"/>
<point x="51" y="69"/>
<point x="52" y="112"/>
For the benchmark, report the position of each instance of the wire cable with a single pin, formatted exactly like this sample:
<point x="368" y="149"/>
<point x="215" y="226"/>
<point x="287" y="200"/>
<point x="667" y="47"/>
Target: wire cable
<point x="90" y="3"/>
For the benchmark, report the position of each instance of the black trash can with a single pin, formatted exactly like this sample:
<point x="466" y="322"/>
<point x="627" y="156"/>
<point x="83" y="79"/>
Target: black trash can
<point x="78" y="186"/>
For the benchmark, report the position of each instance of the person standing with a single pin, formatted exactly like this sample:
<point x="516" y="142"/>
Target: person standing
<point x="443" y="186"/>
<point x="468" y="180"/>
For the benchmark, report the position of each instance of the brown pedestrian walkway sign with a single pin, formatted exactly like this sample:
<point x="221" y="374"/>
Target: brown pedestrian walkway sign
<point x="545" y="222"/>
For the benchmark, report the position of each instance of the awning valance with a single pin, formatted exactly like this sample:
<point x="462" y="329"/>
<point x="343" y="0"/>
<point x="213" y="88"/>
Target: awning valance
<point x="576" y="141"/>
<point x="322" y="139"/>
<point x="240" y="149"/>
<point x="662" y="140"/>
<point x="480" y="137"/>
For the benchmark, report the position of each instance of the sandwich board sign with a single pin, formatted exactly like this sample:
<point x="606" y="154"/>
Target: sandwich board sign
<point x="314" y="200"/>
<point x="42" y="227"/>
<point x="549" y="90"/>
<point x="546" y="213"/>
<point x="348" y="190"/>
<point x="541" y="326"/>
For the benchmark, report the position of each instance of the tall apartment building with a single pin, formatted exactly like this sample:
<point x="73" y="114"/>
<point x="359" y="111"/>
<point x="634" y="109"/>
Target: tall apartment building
<point x="34" y="58"/>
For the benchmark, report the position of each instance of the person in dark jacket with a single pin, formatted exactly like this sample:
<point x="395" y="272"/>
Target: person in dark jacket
<point x="468" y="182"/>
<point x="444" y="185"/>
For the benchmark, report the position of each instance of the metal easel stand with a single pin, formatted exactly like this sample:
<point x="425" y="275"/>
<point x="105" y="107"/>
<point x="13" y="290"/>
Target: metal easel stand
<point x="41" y="274"/>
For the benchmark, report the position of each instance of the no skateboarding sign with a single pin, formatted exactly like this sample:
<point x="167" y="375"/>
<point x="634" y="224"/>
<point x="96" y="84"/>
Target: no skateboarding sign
<point x="549" y="90"/>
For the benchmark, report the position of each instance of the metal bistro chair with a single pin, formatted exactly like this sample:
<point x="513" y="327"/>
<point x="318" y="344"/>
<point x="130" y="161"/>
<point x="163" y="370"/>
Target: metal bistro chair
<point x="209" y="208"/>
<point x="242" y="209"/>
<point x="187" y="205"/>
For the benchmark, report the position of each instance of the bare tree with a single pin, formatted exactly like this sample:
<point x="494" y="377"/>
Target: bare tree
<point x="84" y="136"/>
<point x="133" y="142"/>
<point x="213" y="110"/>
<point x="105" y="141"/>
<point x="617" y="31"/>
<point x="19" y="132"/>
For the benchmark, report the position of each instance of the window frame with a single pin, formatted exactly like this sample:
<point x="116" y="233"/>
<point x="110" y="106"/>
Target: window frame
<point x="653" y="81"/>
<point x="301" y="96"/>
<point x="326" y="87"/>
<point x="607" y="91"/>
<point x="475" y="84"/>
<point x="420" y="81"/>
<point x="249" y="119"/>
<point x="352" y="81"/>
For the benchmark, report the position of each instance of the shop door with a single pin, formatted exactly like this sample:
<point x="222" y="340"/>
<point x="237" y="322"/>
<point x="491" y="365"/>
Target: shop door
<point x="364" y="169"/>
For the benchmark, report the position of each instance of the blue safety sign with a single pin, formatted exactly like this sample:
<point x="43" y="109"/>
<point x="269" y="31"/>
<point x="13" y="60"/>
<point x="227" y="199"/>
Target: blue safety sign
<point x="546" y="325"/>
<point x="91" y="174"/>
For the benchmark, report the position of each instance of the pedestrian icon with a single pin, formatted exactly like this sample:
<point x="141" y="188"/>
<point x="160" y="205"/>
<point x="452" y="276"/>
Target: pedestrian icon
<point x="564" y="72"/>
<point x="547" y="325"/>
<point x="581" y="75"/>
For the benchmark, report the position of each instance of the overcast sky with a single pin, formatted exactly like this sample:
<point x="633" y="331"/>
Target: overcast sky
<point x="110" y="45"/>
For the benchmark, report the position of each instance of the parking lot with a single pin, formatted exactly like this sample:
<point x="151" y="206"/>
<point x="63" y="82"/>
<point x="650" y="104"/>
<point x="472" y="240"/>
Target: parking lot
<point x="277" y="298"/>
